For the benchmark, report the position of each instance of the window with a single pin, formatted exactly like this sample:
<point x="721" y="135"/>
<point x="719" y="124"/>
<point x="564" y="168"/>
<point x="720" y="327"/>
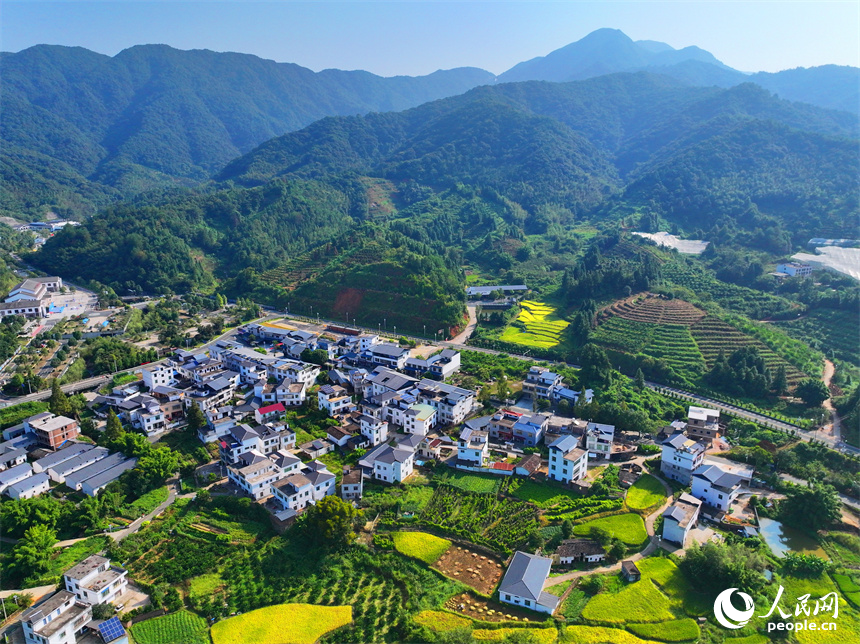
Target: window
<point x="528" y="602"/>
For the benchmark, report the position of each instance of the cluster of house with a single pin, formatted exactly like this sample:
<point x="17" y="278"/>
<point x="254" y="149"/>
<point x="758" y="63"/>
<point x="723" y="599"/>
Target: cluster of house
<point x="32" y="297"/>
<point x="50" y="442"/>
<point x="68" y="613"/>
<point x="713" y="487"/>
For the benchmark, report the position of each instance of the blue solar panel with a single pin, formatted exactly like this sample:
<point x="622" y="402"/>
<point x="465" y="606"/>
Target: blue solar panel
<point x="111" y="629"/>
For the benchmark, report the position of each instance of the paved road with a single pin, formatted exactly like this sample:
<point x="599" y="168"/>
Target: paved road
<point x="470" y="327"/>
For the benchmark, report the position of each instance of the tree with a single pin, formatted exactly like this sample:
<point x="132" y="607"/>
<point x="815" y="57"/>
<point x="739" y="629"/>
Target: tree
<point x="59" y="403"/>
<point x="314" y="356"/>
<point x="158" y="465"/>
<point x="596" y="368"/>
<point x="33" y="552"/>
<point x="812" y="508"/>
<point x="113" y="430"/>
<point x="639" y="380"/>
<point x="617" y="550"/>
<point x="103" y="611"/>
<point x="780" y="381"/>
<point x="717" y="566"/>
<point x="567" y="528"/>
<point x="330" y="522"/>
<point x="503" y="389"/>
<point x="812" y="392"/>
<point x="196" y="419"/>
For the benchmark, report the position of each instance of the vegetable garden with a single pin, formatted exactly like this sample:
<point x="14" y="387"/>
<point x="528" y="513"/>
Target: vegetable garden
<point x="181" y="626"/>
<point x="499" y="523"/>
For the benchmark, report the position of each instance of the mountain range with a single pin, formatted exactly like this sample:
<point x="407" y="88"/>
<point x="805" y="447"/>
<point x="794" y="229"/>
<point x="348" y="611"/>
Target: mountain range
<point x="82" y="130"/>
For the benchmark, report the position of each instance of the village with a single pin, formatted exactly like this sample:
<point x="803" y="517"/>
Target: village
<point x="392" y="420"/>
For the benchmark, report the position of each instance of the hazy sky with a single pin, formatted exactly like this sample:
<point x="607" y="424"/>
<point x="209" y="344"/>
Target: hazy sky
<point x="415" y="37"/>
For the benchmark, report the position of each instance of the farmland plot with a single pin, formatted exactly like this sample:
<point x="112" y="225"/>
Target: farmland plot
<point x="542" y="327"/>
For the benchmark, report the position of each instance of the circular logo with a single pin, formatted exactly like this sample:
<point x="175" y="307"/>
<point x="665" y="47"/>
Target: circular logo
<point x="729" y="616"/>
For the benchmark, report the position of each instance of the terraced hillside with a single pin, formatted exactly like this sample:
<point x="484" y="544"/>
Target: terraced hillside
<point x="537" y="325"/>
<point x="713" y="335"/>
<point x="656" y="309"/>
<point x="833" y="332"/>
<point x="677" y="333"/>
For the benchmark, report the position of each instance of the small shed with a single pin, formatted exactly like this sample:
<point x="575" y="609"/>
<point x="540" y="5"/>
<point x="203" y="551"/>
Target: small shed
<point x="629" y="571"/>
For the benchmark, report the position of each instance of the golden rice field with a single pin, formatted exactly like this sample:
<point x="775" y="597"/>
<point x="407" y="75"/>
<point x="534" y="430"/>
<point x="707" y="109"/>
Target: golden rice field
<point x="543" y="328"/>
<point x="281" y="624"/>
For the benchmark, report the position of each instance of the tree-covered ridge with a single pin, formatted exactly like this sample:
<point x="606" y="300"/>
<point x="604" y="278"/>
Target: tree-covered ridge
<point x="154" y="112"/>
<point x="186" y="239"/>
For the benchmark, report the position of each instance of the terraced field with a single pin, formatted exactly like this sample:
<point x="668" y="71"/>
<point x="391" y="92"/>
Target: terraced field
<point x="542" y="327"/>
<point x="670" y="342"/>
<point x="712" y="335"/>
<point x="656" y="310"/>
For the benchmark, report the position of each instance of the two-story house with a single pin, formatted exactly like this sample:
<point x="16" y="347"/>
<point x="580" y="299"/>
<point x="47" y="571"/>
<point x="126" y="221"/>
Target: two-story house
<point x="256" y="474"/>
<point x="530" y="429"/>
<point x="439" y="366"/>
<point x="452" y="404"/>
<point x="334" y="399"/>
<point x="393" y="465"/>
<point x="679" y="518"/>
<point x="716" y="487"/>
<point x="303" y="488"/>
<point x="374" y="429"/>
<point x="567" y="462"/>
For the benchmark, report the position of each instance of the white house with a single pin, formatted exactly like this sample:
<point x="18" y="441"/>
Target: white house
<point x="452" y="404"/>
<point x="374" y="429"/>
<point x="473" y="446"/>
<point x="95" y="581"/>
<point x="679" y="518"/>
<point x="352" y="484"/>
<point x="419" y="419"/>
<point x="681" y="456"/>
<point x="716" y="487"/>
<point x="393" y="465"/>
<point x="598" y="440"/>
<point x="29" y="487"/>
<point x="334" y="399"/>
<point x="524" y="581"/>
<point x="587" y="550"/>
<point x="567" y="462"/>
<point x="440" y="366"/>
<point x="387" y="355"/>
<point x="158" y="376"/>
<point x="58" y="620"/>
<point x="540" y="382"/>
<point x="794" y="269"/>
<point x="14" y="475"/>
<point x="303" y="488"/>
<point x="256" y="473"/>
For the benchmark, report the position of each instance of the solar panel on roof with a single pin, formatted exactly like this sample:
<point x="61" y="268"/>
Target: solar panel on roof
<point x="111" y="629"/>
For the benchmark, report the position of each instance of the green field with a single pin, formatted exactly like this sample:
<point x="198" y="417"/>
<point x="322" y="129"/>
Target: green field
<point x="531" y="635"/>
<point x="420" y="545"/>
<point x="629" y="528"/>
<point x="678" y="630"/>
<point x="601" y="635"/>
<point x="543" y="495"/>
<point x="481" y="483"/>
<point x="281" y="624"/>
<point x="537" y="325"/>
<point x="441" y="621"/>
<point x="645" y="493"/>
<point x="183" y="627"/>
<point x="636" y="603"/>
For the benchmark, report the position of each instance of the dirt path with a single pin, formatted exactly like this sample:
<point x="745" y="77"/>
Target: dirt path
<point x="832" y="428"/>
<point x="470" y="327"/>
<point x="653" y="544"/>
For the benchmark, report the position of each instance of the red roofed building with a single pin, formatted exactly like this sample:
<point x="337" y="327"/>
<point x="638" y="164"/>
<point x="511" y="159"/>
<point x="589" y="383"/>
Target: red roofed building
<point x="504" y="467"/>
<point x="269" y="412"/>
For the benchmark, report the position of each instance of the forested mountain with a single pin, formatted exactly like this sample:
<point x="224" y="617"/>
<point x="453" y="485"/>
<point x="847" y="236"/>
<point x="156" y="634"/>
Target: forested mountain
<point x="607" y="51"/>
<point x="350" y="215"/>
<point x="153" y="116"/>
<point x="692" y="154"/>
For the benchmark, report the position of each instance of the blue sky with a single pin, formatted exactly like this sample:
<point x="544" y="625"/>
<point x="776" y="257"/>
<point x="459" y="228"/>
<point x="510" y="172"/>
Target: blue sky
<point x="418" y="37"/>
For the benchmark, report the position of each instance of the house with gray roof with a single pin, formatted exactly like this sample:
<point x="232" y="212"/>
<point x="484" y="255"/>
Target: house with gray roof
<point x="29" y="487"/>
<point x="681" y="456"/>
<point x="14" y="474"/>
<point x="61" y="456"/>
<point x="75" y="479"/>
<point x="567" y="462"/>
<point x="679" y="518"/>
<point x="715" y="487"/>
<point x="393" y="465"/>
<point x="524" y="581"/>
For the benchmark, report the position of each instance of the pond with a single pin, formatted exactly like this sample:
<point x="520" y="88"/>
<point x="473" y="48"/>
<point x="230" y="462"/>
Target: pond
<point x="782" y="539"/>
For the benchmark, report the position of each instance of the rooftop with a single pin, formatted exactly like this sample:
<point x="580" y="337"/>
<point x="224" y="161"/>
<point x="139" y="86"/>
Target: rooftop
<point x="526" y="575"/>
